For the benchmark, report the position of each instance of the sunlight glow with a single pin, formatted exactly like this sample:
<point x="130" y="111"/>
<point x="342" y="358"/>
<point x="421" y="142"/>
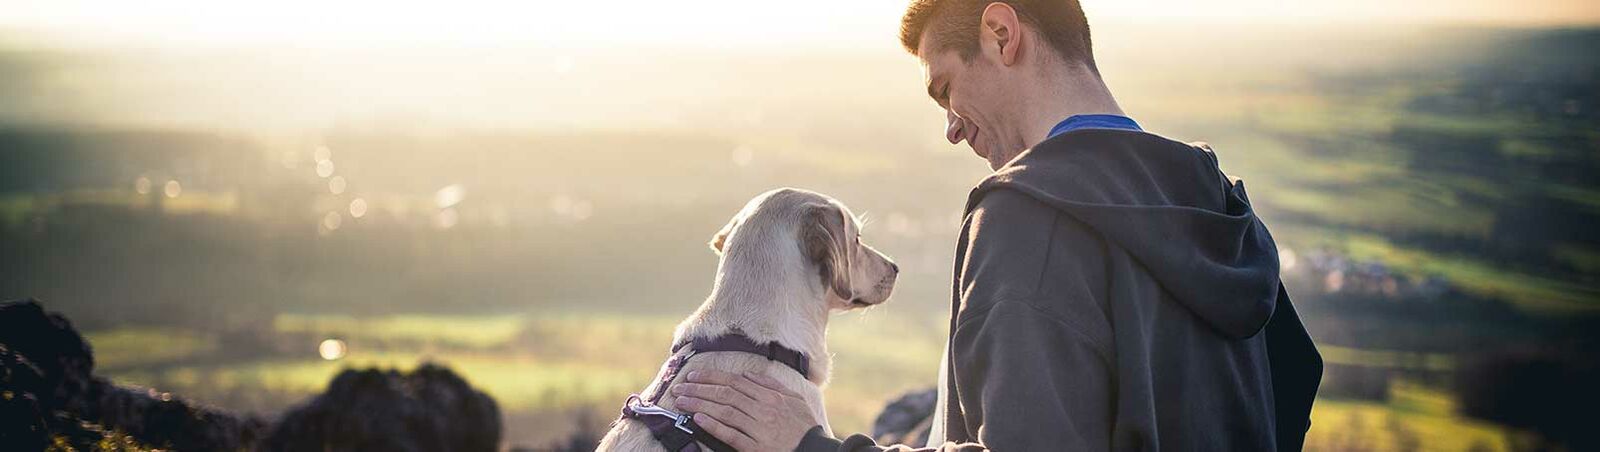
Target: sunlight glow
<point x="332" y="349"/>
<point x="468" y="21"/>
<point x="358" y="208"/>
<point x="449" y="196"/>
<point x="1495" y="12"/>
<point x="707" y="23"/>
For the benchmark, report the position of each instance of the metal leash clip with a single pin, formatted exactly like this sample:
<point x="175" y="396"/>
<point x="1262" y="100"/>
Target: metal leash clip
<point x="682" y="423"/>
<point x="679" y="420"/>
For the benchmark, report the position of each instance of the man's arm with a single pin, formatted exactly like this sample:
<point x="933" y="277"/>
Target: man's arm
<point x="1033" y="386"/>
<point x="775" y="420"/>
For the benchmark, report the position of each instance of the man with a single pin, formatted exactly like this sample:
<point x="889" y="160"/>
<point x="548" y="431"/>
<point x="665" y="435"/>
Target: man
<point x="1114" y="290"/>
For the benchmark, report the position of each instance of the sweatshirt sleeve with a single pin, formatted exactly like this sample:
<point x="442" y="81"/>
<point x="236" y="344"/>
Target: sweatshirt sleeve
<point x="817" y="441"/>
<point x="1029" y="375"/>
<point x="1026" y="384"/>
<point x="1029" y="381"/>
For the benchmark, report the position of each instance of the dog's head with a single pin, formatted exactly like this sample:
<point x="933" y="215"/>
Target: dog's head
<point x="827" y="237"/>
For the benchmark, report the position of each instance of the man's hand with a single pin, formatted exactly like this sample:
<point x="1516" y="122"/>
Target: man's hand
<point x="749" y="412"/>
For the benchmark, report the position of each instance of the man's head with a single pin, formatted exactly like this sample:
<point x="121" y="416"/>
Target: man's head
<point x="989" y="63"/>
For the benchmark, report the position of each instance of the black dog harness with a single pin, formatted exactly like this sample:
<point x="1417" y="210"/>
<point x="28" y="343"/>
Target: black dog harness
<point x="678" y="432"/>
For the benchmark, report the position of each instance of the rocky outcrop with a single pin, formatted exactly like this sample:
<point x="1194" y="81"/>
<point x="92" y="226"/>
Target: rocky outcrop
<point x="22" y="419"/>
<point x="429" y="409"/>
<point x="50" y="397"/>
<point x="907" y="419"/>
<point x="53" y="351"/>
<point x="48" y="384"/>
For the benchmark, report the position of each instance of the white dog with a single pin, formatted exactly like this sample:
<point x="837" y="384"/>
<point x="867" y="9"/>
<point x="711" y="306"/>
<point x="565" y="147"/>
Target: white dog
<point x="789" y="259"/>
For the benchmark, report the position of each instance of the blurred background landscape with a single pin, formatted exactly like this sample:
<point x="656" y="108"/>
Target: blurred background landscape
<point x="236" y="203"/>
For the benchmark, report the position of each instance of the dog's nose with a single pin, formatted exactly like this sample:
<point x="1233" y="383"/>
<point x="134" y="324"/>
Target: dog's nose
<point x="894" y="267"/>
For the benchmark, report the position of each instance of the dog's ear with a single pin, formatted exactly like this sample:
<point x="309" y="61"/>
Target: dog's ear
<point x="721" y="237"/>
<point x="823" y="239"/>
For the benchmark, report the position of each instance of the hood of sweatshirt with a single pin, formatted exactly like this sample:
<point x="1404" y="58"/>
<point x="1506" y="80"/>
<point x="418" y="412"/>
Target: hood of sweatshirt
<point x="1169" y="206"/>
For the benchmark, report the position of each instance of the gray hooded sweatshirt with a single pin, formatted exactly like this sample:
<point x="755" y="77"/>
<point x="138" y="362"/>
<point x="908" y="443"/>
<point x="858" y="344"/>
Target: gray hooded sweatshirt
<point x="1114" y="291"/>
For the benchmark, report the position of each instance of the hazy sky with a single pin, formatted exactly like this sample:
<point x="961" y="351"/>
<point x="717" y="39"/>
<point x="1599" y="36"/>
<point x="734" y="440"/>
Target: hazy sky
<point x="708" y="23"/>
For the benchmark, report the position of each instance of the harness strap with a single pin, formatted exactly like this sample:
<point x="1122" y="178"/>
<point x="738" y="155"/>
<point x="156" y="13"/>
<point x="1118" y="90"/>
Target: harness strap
<point x="741" y="343"/>
<point x="676" y="432"/>
<point x="679" y="432"/>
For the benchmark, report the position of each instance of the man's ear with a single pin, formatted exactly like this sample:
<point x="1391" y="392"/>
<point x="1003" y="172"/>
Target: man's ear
<point x="822" y="238"/>
<point x="720" y="239"/>
<point x="1002" y="31"/>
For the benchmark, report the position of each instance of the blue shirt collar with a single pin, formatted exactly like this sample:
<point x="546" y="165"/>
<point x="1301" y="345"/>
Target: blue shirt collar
<point x="1076" y="122"/>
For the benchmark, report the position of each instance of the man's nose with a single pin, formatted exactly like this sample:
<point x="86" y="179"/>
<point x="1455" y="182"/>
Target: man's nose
<point x="952" y="127"/>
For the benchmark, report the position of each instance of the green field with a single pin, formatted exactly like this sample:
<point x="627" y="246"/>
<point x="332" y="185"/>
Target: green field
<point x="529" y="364"/>
<point x="575" y="362"/>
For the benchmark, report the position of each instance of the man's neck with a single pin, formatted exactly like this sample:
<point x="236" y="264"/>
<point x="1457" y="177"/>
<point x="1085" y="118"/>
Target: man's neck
<point x="1069" y="92"/>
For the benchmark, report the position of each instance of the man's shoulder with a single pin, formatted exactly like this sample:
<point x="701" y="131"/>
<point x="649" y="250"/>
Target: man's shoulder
<point x="1006" y="218"/>
<point x="1010" y="205"/>
<point x="1013" y="216"/>
<point x="1021" y="249"/>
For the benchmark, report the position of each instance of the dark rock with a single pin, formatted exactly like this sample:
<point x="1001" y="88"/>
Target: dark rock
<point x="171" y="422"/>
<point x="22" y="422"/>
<point x="48" y="374"/>
<point x="429" y="409"/>
<point x="48" y="393"/>
<point x="48" y="340"/>
<point x="906" y="420"/>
